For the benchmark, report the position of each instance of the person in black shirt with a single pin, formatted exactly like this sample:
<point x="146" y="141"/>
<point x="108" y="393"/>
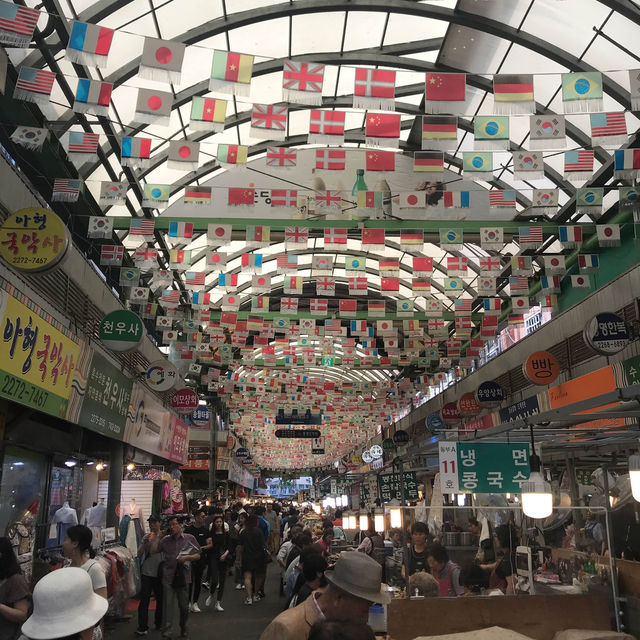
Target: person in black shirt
<point x="219" y="556"/>
<point x="415" y="554"/>
<point x="250" y="557"/>
<point x="503" y="576"/>
<point x="200" y="532"/>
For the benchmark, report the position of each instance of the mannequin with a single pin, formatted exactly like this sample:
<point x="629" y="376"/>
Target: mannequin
<point x="136" y="529"/>
<point x="63" y="518"/>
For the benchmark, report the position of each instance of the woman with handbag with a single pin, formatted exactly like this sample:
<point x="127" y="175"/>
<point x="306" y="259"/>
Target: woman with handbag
<point x="220" y="559"/>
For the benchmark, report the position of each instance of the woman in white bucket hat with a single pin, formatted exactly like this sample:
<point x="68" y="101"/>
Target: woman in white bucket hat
<point x="64" y="606"/>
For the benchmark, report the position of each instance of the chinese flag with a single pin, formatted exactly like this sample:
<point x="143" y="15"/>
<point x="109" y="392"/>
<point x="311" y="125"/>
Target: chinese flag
<point x="383" y="125"/>
<point x="446" y="86"/>
<point x="381" y="161"/>
<point x="373" y="236"/>
<point x="240" y="196"/>
<point x="389" y="284"/>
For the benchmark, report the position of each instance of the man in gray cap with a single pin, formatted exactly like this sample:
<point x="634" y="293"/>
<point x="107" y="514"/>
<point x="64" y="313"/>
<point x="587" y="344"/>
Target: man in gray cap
<point x="353" y="585"/>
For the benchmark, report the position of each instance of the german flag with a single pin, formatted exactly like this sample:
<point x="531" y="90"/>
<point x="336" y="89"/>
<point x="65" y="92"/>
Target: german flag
<point x="428" y="161"/>
<point x="197" y="195"/>
<point x="439" y="127"/>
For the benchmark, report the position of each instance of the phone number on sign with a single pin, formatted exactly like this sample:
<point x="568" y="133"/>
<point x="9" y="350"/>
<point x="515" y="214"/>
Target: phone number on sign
<point x="23" y="392"/>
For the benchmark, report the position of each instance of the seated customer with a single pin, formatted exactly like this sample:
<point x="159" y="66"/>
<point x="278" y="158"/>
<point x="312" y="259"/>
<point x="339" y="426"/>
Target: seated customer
<point x="313" y="567"/>
<point x="447" y="573"/>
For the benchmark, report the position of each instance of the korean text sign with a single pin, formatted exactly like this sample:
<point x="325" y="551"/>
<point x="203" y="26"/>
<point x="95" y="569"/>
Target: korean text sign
<point x="106" y="401"/>
<point x="389" y="486"/>
<point x="37" y="362"/>
<point x="487" y="467"/>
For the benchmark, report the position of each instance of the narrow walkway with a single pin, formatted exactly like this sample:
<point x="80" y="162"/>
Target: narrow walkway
<point x="237" y="622"/>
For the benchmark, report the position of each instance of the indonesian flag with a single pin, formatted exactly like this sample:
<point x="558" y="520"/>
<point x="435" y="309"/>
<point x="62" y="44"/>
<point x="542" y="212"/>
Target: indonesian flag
<point x="330" y="159"/>
<point x="372" y="238"/>
<point x="302" y="82"/>
<point x="326" y="127"/>
<point x="334" y="236"/>
<point x="374" y="89"/>
<point x="382" y="129"/>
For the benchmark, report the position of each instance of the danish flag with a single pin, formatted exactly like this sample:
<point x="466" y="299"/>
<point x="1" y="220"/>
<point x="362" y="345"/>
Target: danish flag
<point x="376" y="83"/>
<point x="327" y="123"/>
<point x="284" y="197"/>
<point x="335" y="236"/>
<point x="330" y="159"/>
<point x="319" y="305"/>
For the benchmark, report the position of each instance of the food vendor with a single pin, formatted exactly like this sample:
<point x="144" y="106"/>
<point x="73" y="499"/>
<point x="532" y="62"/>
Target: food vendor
<point x="503" y="573"/>
<point x="415" y="554"/>
<point x="447" y="573"/>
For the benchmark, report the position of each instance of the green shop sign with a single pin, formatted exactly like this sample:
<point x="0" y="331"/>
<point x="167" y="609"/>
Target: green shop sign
<point x="121" y="330"/>
<point x="389" y="486"/>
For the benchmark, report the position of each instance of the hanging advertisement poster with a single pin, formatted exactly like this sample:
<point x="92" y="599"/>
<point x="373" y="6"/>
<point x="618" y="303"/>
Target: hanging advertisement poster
<point x="37" y="356"/>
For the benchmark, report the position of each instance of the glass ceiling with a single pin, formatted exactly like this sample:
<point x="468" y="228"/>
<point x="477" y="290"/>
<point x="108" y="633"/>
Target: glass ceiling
<point x="479" y="37"/>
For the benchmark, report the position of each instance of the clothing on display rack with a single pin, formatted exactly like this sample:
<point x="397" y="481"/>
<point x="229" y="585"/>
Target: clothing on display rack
<point x="63" y="518"/>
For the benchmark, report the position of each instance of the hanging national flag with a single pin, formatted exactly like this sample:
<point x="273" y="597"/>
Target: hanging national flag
<point x="457" y="265"/>
<point x="439" y="132"/>
<point x="171" y="296"/>
<point x="318" y="306"/>
<point x="492" y="238"/>
<point x="382" y="129"/>
<point x="380" y="161"/>
<point x="369" y="199"/>
<point x="183" y="155"/>
<point x="268" y="121"/>
<point x="453" y="287"/>
<point x="608" y="129"/>
<point x="421" y="285"/>
<point x="451" y="239"/>
<point x="293" y="284"/>
<point x="296" y="237"/>
<point x="216" y="260"/>
<point x="588" y="263"/>
<point x="89" y="44"/>
<point x="626" y="164"/>
<point x="331" y="159"/>
<point x="528" y="165"/>
<point x="162" y="60"/>
<point x="582" y="92"/>
<point x="219" y="234"/>
<point x="65" y="190"/>
<point x="112" y="193"/>
<point x="547" y="132"/>
<point x="156" y="196"/>
<point x="387" y="267"/>
<point x="100" y="227"/>
<point x="231" y="73"/>
<point x="258" y="236"/>
<point x="154" y="107"/>
<point x="286" y="263"/>
<point x="428" y="161"/>
<point x="404" y="307"/>
<point x="230" y="302"/>
<point x="578" y="165"/>
<point x="17" y="24"/>
<point x="353" y="264"/>
<point x="326" y="127"/>
<point x="414" y="237"/>
<point x="372" y="238"/>
<point x="608" y="235"/>
<point x="208" y="114"/>
<point x="260" y="284"/>
<point x="422" y="266"/>
<point x="477" y="165"/>
<point x="486" y="285"/>
<point x="232" y="154"/>
<point x="376" y="309"/>
<point x="580" y="281"/>
<point x="545" y="201"/>
<point x="445" y="93"/>
<point x="328" y="199"/>
<point x="554" y="265"/>
<point x="358" y="286"/>
<point x="412" y="200"/>
<point x="499" y="198"/>
<point x="335" y="236"/>
<point x="179" y="259"/>
<point x="491" y="132"/>
<point x="302" y="82"/>
<point x="327" y="286"/>
<point x="455" y="199"/>
<point x="322" y="265"/>
<point x="389" y="284"/>
<point x="135" y="152"/>
<point x="92" y="96"/>
<point x="238" y="196"/>
<point x="282" y="157"/>
<point x="519" y="283"/>
<point x="82" y="147"/>
<point x="348" y="308"/>
<point x="228" y="281"/>
<point x="530" y="237"/>
<point x="284" y="197"/>
<point x="374" y="89"/>
<point x="31" y="138"/>
<point x="198" y="195"/>
<point x="520" y="303"/>
<point x="194" y="278"/>
<point x="289" y="306"/>
<point x="146" y="258"/>
<point x="111" y="254"/>
<point x="589" y="200"/>
<point x="180" y="229"/>
<point x="33" y="85"/>
<point x="570" y="236"/>
<point x="513" y="93"/>
<point x="521" y="265"/>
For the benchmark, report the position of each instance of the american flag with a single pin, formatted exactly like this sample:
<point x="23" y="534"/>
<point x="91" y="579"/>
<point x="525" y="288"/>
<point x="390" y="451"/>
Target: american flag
<point x="16" y="19"/>
<point x="35" y="81"/>
<point x="502" y="198"/>
<point x="284" y="261"/>
<point x="530" y="235"/>
<point x="195" y="277"/>
<point x="519" y="283"/>
<point x="608" y="124"/>
<point x="281" y="157"/>
<point x="375" y="83"/>
<point x="463" y="304"/>
<point x="296" y="235"/>
<point x="578" y="161"/>
<point x="268" y="116"/>
<point x="81" y="142"/>
<point x="284" y="198"/>
<point x="142" y="227"/>
<point x="335" y="236"/>
<point x="170" y="295"/>
<point x="327" y="123"/>
<point x="329" y="199"/>
<point x="330" y="159"/>
<point x="64" y="185"/>
<point x="303" y="76"/>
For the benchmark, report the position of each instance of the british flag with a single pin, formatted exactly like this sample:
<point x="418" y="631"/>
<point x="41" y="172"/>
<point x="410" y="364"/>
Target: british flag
<point x="296" y="235"/>
<point x="289" y="305"/>
<point x="326" y="286"/>
<point x="284" y="197"/>
<point x="281" y="157"/>
<point x="269" y="119"/>
<point x="330" y="159"/>
<point x="489" y="264"/>
<point x="329" y="199"/>
<point x="303" y="76"/>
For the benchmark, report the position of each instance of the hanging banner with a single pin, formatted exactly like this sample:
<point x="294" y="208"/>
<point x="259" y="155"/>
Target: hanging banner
<point x="37" y="360"/>
<point x="389" y="486"/>
<point x="487" y="467"/>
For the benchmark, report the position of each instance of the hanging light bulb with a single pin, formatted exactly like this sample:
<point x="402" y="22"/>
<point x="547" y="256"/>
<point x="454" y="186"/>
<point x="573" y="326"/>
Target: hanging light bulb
<point x="634" y="475"/>
<point x="537" y="499"/>
<point x="396" y="517"/>
<point x="378" y="521"/>
<point x="131" y="466"/>
<point x="364" y="520"/>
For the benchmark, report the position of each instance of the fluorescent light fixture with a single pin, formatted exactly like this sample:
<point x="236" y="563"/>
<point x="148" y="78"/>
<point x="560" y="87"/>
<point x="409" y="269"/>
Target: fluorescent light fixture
<point x="396" y="517"/>
<point x="70" y="463"/>
<point x="634" y="475"/>
<point x="378" y="521"/>
<point x="364" y="520"/>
